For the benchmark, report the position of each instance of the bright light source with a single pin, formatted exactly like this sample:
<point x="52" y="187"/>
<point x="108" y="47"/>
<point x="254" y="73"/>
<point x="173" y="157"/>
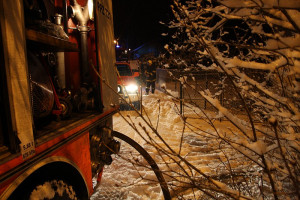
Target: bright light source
<point x="131" y="88"/>
<point x="91" y="9"/>
<point x="118" y="46"/>
<point x="115" y="41"/>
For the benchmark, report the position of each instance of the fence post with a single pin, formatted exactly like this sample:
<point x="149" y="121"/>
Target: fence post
<point x="141" y="103"/>
<point x="181" y="98"/>
<point x="222" y="93"/>
<point x="206" y="87"/>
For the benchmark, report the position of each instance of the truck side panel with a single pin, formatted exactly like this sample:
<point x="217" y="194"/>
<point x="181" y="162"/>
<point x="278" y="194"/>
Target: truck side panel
<point x="106" y="52"/>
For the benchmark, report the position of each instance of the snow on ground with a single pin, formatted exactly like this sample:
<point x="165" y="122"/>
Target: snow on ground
<point x="122" y="180"/>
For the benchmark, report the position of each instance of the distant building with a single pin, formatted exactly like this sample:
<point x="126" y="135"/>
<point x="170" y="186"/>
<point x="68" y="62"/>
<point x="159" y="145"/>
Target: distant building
<point x="150" y="48"/>
<point x="143" y="52"/>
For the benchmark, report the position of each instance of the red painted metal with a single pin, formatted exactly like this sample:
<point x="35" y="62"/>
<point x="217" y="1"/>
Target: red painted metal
<point x="99" y="176"/>
<point x="77" y="151"/>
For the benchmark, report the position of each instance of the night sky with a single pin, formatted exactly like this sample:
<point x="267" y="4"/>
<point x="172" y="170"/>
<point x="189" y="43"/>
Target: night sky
<point x="136" y="22"/>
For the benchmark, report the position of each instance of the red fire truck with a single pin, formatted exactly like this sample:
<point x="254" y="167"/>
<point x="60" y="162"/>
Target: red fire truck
<point x="58" y="96"/>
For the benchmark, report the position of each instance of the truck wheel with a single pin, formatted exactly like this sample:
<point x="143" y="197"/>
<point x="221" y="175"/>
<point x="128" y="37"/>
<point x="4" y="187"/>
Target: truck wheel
<point x="57" y="180"/>
<point x="55" y="190"/>
<point x="137" y="105"/>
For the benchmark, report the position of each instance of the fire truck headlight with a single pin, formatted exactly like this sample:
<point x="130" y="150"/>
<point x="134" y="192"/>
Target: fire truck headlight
<point x="119" y="89"/>
<point x="132" y="88"/>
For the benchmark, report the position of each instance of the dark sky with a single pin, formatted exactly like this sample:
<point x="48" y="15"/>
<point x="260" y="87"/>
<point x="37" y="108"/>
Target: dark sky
<point x="137" y="21"/>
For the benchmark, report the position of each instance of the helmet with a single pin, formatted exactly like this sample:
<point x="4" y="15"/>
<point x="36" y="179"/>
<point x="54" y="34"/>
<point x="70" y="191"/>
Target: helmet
<point x="149" y="62"/>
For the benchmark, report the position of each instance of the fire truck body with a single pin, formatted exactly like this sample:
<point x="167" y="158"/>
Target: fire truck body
<point x="39" y="145"/>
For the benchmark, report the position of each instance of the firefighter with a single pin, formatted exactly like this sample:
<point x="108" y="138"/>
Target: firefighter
<point x="150" y="77"/>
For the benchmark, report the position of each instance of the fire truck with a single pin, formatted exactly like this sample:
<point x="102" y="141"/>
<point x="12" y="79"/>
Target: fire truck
<point x="58" y="96"/>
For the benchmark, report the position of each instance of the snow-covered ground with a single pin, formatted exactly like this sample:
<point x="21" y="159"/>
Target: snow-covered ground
<point x="122" y="179"/>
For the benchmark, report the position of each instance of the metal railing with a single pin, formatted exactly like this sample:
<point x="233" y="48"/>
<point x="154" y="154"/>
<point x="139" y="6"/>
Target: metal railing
<point x="215" y="82"/>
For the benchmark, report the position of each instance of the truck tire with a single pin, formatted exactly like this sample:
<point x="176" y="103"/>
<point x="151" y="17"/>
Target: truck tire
<point x="56" y="181"/>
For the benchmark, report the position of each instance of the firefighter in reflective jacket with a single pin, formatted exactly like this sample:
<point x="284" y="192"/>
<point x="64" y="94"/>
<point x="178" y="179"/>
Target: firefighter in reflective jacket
<point x="150" y="77"/>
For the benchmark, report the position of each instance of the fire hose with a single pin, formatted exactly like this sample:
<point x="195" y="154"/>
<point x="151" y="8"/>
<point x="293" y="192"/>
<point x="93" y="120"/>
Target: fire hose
<point x="149" y="159"/>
